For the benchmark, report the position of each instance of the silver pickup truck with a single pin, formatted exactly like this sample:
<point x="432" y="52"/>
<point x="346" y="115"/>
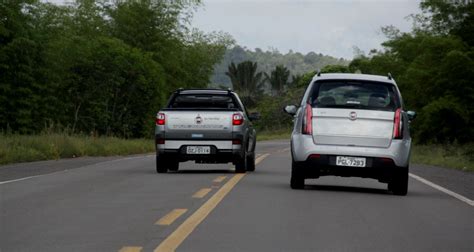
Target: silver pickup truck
<point x="207" y="126"/>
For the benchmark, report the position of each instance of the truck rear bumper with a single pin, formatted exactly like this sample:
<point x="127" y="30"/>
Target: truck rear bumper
<point x="222" y="151"/>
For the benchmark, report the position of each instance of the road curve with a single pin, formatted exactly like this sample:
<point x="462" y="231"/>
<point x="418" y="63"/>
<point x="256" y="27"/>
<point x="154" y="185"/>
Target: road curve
<point x="121" y="204"/>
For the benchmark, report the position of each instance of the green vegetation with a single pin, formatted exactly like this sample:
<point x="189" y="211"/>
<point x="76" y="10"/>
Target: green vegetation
<point x="274" y="135"/>
<point x="16" y="148"/>
<point x="451" y="156"/>
<point x="104" y="68"/>
<point x="98" y="66"/>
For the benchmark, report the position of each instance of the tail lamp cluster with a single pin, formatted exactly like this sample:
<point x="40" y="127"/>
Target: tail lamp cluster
<point x="237" y="119"/>
<point x="398" y="125"/>
<point x="160" y="119"/>
<point x="308" y="120"/>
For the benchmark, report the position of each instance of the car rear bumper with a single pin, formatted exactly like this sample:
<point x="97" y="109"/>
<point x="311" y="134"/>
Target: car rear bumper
<point x="323" y="165"/>
<point x="303" y="147"/>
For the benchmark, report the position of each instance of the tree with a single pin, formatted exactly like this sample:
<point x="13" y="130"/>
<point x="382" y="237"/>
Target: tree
<point x="278" y="79"/>
<point x="246" y="81"/>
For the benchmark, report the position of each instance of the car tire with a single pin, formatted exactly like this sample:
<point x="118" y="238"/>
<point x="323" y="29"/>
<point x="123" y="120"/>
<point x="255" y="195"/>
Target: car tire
<point x="251" y="162"/>
<point x="161" y="166"/>
<point x="399" y="182"/>
<point x="297" y="176"/>
<point x="241" y="164"/>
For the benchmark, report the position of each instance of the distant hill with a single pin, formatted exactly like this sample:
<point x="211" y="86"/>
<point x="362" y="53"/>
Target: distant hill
<point x="296" y="62"/>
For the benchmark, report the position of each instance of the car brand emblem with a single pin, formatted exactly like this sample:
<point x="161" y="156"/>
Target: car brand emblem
<point x="198" y="119"/>
<point x="353" y="115"/>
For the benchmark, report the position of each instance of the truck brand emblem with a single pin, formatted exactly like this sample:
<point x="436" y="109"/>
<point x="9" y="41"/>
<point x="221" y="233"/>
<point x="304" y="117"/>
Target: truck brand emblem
<point x="353" y="115"/>
<point x="198" y="119"/>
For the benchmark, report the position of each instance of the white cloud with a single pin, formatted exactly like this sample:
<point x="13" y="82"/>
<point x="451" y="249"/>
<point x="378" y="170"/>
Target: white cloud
<point x="328" y="27"/>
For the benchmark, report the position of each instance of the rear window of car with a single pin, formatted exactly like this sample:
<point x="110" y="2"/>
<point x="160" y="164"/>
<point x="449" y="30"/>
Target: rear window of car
<point x="355" y="94"/>
<point x="203" y="101"/>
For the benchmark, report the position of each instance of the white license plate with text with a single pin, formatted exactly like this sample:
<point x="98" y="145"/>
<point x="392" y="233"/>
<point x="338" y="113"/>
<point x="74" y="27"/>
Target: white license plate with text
<point x="198" y="150"/>
<point x="350" y="161"/>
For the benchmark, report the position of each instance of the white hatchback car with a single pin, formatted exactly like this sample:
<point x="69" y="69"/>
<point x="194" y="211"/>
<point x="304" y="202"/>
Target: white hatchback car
<point x="351" y="125"/>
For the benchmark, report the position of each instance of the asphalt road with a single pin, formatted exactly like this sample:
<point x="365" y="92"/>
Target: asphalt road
<point x="121" y="204"/>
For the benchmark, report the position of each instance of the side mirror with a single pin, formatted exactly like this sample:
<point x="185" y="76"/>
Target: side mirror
<point x="291" y="109"/>
<point x="411" y="115"/>
<point x="254" y="116"/>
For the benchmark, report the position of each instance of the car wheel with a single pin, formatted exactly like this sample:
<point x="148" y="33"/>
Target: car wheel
<point x="251" y="162"/>
<point x="241" y="165"/>
<point x="399" y="182"/>
<point x="297" y="176"/>
<point x="161" y="166"/>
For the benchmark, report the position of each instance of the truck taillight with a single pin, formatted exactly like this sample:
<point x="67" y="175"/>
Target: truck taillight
<point x="160" y="119"/>
<point x="308" y="120"/>
<point x="237" y="119"/>
<point x="397" y="125"/>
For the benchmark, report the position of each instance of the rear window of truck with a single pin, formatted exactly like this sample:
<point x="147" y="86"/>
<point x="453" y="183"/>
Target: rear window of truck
<point x="203" y="101"/>
<point x="354" y="94"/>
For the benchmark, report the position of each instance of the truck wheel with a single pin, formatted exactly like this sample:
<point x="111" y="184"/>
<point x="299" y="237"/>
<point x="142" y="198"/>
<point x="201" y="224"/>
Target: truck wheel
<point x="399" y="182"/>
<point x="173" y="165"/>
<point x="297" y="176"/>
<point x="251" y="162"/>
<point x="161" y="165"/>
<point x="241" y="165"/>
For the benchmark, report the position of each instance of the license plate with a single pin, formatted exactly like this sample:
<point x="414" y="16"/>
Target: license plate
<point x="350" y="161"/>
<point x="198" y="150"/>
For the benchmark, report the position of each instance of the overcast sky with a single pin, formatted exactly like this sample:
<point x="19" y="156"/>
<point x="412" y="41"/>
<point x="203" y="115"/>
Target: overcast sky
<point x="327" y="27"/>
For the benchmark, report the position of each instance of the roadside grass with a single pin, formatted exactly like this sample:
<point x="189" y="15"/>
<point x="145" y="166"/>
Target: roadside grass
<point x="459" y="157"/>
<point x="273" y="135"/>
<point x="25" y="148"/>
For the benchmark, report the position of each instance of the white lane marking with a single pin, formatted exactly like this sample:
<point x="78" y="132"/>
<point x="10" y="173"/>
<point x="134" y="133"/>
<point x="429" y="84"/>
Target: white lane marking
<point x="15" y="180"/>
<point x="442" y="189"/>
<point x="30" y="177"/>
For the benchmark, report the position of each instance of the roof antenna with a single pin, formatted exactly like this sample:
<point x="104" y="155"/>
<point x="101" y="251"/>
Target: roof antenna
<point x="319" y="72"/>
<point x="389" y="76"/>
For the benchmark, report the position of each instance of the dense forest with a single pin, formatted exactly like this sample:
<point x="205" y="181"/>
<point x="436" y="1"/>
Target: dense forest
<point x="98" y="66"/>
<point x="266" y="61"/>
<point x="106" y="67"/>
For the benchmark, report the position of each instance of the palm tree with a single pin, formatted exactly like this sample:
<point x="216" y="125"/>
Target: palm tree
<point x="278" y="79"/>
<point x="246" y="81"/>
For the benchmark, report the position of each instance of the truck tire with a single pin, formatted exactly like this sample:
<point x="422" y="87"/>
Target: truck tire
<point x="241" y="164"/>
<point x="161" y="166"/>
<point x="399" y="181"/>
<point x="297" y="176"/>
<point x="251" y="162"/>
<point x="173" y="165"/>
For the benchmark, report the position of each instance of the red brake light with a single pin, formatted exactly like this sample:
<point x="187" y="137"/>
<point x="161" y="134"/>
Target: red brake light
<point x="237" y="119"/>
<point x="397" y="125"/>
<point x="160" y="119"/>
<point x="308" y="120"/>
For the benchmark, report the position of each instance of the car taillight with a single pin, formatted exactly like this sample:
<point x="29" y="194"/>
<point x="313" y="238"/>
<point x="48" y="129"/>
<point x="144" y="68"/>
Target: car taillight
<point x="307" y="120"/>
<point x="397" y="125"/>
<point x="237" y="119"/>
<point x="160" y="119"/>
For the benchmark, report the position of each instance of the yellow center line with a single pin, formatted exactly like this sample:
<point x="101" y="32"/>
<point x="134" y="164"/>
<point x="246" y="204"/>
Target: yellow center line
<point x="171" y="217"/>
<point x="172" y="242"/>
<point x="219" y="179"/>
<point x="130" y="249"/>
<point x="202" y="193"/>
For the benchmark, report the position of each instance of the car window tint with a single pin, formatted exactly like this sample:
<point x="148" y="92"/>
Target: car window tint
<point x="203" y="101"/>
<point x="355" y="94"/>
